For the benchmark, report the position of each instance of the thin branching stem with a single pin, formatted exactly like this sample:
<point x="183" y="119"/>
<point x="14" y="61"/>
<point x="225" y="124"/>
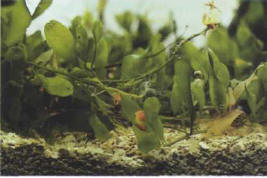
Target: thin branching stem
<point x="171" y="59"/>
<point x="89" y="81"/>
<point x="145" y="56"/>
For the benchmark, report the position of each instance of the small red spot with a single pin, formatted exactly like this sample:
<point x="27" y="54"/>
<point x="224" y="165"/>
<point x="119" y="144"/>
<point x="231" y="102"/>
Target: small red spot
<point x="116" y="99"/>
<point x="42" y="90"/>
<point x="140" y="115"/>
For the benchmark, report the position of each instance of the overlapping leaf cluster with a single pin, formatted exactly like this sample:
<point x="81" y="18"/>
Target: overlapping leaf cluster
<point x="78" y="78"/>
<point x="59" y="81"/>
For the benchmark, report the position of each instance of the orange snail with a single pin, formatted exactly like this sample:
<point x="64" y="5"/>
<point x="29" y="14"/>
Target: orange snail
<point x="140" y="119"/>
<point x="116" y="99"/>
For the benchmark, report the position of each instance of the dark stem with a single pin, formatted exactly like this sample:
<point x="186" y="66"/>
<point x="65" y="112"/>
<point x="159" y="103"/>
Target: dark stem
<point x="192" y="112"/>
<point x="171" y="59"/>
<point x="88" y="81"/>
<point x="146" y="56"/>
